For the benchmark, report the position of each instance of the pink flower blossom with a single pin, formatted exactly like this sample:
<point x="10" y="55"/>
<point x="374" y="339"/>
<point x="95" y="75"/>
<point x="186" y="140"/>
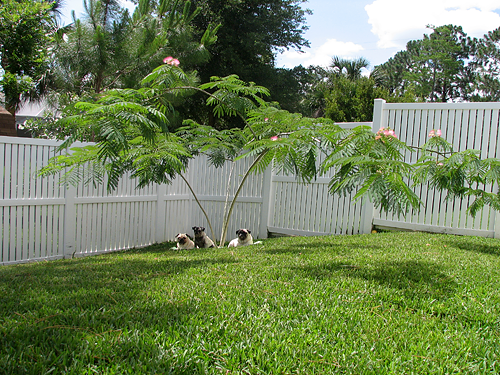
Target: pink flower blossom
<point x="435" y="133"/>
<point x="171" y="61"/>
<point x="266" y="119"/>
<point x="388" y="132"/>
<point x="274" y="138"/>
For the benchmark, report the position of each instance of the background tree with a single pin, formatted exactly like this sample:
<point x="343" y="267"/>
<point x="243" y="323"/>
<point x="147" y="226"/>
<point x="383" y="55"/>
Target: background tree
<point x="351" y="69"/>
<point x="313" y="81"/>
<point x="349" y="100"/>
<point x="26" y="29"/>
<point x="347" y="93"/>
<point x="439" y="68"/>
<point x="390" y="75"/>
<point x="436" y="68"/>
<point x="487" y="64"/>
<point x="251" y="33"/>
<point x="108" y="48"/>
<point x="342" y="93"/>
<point x="297" y="90"/>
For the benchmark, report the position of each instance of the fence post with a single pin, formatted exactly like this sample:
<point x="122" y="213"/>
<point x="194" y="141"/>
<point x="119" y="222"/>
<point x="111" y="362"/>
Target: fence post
<point x="496" y="215"/>
<point x="378" y="112"/>
<point x="69" y="241"/>
<point x="161" y="207"/>
<point x="367" y="214"/>
<point x="368" y="209"/>
<point x="496" y="228"/>
<point x="266" y="200"/>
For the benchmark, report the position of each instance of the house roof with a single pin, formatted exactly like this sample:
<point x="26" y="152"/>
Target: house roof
<point x="7" y="123"/>
<point x="34" y="109"/>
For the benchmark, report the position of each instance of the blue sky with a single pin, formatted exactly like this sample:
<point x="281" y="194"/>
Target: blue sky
<point x="374" y="29"/>
<point x="377" y="29"/>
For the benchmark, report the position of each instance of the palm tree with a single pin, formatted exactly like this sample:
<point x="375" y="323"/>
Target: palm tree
<point x="349" y="68"/>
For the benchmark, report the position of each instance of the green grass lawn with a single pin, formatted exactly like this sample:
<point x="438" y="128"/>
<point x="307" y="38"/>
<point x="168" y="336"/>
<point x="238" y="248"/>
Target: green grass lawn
<point x="385" y="303"/>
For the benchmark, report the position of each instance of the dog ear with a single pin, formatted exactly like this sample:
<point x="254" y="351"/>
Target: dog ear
<point x="249" y="231"/>
<point x="193" y="228"/>
<point x="203" y="229"/>
<point x="238" y="231"/>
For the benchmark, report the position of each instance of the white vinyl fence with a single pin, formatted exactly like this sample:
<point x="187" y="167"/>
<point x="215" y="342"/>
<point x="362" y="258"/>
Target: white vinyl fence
<point x="466" y="126"/>
<point x="310" y="210"/>
<point x="40" y="219"/>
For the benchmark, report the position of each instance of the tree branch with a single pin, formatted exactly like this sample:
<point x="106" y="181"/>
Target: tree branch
<point x="199" y="204"/>
<point x="224" y="231"/>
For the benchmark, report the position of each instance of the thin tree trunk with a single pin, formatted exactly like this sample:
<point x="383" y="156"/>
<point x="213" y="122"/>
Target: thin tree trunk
<point x="224" y="231"/>
<point x="199" y="205"/>
<point x="227" y="197"/>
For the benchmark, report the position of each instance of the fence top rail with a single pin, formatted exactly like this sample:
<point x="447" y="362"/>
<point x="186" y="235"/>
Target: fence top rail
<point x="39" y="142"/>
<point x="29" y="141"/>
<point x="444" y="106"/>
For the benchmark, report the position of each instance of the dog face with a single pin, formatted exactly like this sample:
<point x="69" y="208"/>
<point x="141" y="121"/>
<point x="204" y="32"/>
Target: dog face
<point x="184" y="241"/>
<point x="243" y="234"/>
<point x="243" y="238"/>
<point x="182" y="238"/>
<point x="198" y="231"/>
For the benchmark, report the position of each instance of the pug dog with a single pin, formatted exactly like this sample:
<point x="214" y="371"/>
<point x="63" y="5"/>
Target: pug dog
<point x="184" y="241"/>
<point x="201" y="240"/>
<point x="244" y="238"/>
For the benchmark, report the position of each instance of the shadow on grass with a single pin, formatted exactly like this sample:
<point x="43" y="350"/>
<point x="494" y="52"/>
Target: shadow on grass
<point x="83" y="337"/>
<point x="95" y="280"/>
<point x="410" y="277"/>
<point x="406" y="275"/>
<point x="76" y="311"/>
<point x="313" y="247"/>
<point x="473" y="245"/>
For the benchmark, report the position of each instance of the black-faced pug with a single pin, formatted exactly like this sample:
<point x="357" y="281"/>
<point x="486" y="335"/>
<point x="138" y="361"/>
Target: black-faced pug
<point x="201" y="240"/>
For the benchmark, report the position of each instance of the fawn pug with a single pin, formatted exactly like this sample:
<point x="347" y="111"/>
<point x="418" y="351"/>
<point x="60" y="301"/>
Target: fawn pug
<point x="244" y="238"/>
<point x="184" y="241"/>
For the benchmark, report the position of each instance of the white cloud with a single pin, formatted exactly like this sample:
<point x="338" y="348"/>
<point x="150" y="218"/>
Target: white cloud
<point x="322" y="55"/>
<point x="128" y="4"/>
<point x="397" y="21"/>
<point x="77" y="6"/>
